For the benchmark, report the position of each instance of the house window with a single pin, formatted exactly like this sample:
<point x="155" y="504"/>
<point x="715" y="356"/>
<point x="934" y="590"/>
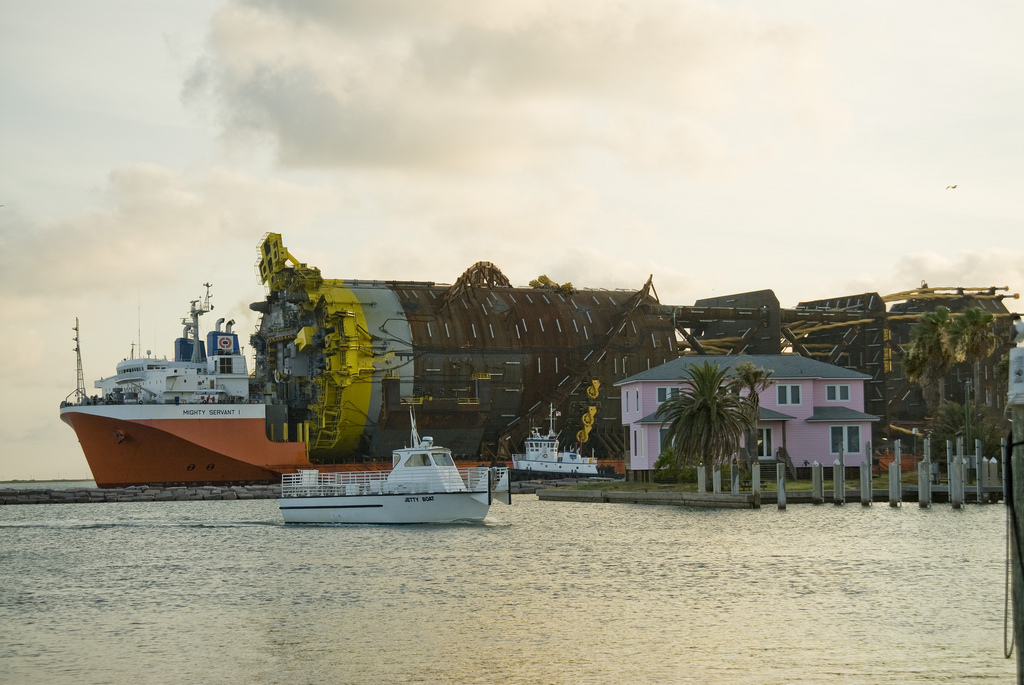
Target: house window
<point x="764" y="443"/>
<point x="665" y="393"/>
<point x="789" y="394"/>
<point x="846" y="436"/>
<point x="837" y="393"/>
<point x="663" y="442"/>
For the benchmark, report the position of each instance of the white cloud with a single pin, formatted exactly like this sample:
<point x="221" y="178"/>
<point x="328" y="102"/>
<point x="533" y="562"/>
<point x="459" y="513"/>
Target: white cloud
<point x="491" y="84"/>
<point x="998" y="267"/>
<point x="154" y="226"/>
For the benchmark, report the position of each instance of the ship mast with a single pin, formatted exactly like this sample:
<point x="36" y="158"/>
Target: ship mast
<point x="197" y="310"/>
<point x="80" y="388"/>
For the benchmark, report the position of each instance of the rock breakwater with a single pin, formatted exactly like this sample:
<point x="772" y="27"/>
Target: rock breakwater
<point x="137" y="493"/>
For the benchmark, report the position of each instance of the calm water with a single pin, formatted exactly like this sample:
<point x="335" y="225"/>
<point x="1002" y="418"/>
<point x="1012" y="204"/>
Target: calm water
<point x="211" y="592"/>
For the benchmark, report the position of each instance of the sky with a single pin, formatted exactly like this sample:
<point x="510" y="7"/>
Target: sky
<point x="722" y="147"/>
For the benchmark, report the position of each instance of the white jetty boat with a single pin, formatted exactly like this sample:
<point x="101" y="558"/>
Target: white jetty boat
<point x="423" y="486"/>
<point x="542" y="456"/>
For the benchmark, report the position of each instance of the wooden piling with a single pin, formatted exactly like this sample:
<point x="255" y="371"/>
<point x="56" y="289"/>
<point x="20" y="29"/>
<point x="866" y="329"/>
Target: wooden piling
<point x="924" y="476"/>
<point x="838" y="481"/>
<point x="866" y="494"/>
<point x="781" y="486"/>
<point x="956" y="482"/>
<point x="895" y="477"/>
<point x="979" y="470"/>
<point x="817" y="483"/>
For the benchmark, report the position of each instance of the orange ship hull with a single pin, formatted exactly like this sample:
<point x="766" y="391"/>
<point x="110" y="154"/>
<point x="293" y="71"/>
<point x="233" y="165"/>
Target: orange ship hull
<point x="180" y="445"/>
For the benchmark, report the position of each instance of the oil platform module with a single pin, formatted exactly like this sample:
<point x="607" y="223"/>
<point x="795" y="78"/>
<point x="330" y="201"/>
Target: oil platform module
<point x="338" y="362"/>
<point x="341" y="360"/>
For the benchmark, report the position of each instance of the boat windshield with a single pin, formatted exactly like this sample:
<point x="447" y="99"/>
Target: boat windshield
<point x="443" y="459"/>
<point x="419" y="459"/>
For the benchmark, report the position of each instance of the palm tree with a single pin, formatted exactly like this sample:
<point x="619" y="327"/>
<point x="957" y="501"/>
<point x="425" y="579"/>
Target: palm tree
<point x="705" y="420"/>
<point x="929" y="356"/>
<point x="972" y="339"/>
<point x="753" y="379"/>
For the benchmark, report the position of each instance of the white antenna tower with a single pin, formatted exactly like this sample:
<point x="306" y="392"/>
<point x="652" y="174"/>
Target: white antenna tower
<point x="80" y="388"/>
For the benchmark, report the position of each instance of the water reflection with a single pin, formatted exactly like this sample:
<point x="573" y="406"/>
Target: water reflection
<point x="543" y="592"/>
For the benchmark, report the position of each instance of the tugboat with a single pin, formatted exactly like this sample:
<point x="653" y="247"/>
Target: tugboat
<point x="423" y="486"/>
<point x="543" y="458"/>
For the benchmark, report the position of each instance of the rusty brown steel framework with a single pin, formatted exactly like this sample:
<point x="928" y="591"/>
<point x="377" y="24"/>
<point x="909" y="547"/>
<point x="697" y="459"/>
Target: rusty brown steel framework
<point x="342" y="362"/>
<point x="860" y="332"/>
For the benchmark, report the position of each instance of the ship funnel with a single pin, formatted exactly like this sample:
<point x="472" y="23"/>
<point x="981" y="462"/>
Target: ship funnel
<point x="219" y="322"/>
<point x="230" y="324"/>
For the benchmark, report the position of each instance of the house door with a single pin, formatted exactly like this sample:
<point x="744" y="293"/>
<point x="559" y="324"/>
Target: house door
<point x="764" y="443"/>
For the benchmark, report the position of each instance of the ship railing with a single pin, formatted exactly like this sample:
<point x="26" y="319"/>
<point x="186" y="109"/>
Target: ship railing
<point x="96" y="401"/>
<point x="312" y="483"/>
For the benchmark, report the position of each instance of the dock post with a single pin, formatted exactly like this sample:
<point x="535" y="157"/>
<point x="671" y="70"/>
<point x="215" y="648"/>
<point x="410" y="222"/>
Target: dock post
<point x="961" y="454"/>
<point x="924" y="477"/>
<point x="817" y="483"/>
<point x="716" y="478"/>
<point x="839" y="483"/>
<point x="990" y="472"/>
<point x="956" y="485"/>
<point x="866" y="494"/>
<point x="980" y="469"/>
<point x="780" y="481"/>
<point x="734" y="476"/>
<point x="755" y="481"/>
<point x="923" y="485"/>
<point x="702" y="485"/>
<point x="949" y="468"/>
<point x="839" y="478"/>
<point x="998" y="471"/>
<point x="869" y="458"/>
<point x="896" y="477"/>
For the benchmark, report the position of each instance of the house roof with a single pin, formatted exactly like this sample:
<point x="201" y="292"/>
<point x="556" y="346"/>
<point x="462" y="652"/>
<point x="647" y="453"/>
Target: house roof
<point x="783" y="367"/>
<point x="772" y="415"/>
<point x="833" y="414"/>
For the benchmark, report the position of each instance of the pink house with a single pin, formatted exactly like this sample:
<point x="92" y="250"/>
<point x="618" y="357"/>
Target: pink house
<point x="810" y="410"/>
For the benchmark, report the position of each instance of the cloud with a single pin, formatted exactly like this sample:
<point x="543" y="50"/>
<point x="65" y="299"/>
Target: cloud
<point x="497" y="85"/>
<point x="997" y="267"/>
<point x="152" y="225"/>
<point x="129" y="267"/>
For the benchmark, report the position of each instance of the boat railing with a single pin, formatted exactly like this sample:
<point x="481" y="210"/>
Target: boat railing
<point x="95" y="401"/>
<point x="312" y="483"/>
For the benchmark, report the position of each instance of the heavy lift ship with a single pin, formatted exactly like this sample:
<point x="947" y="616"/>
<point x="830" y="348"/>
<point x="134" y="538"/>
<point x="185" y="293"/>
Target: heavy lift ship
<point x="338" y="362"/>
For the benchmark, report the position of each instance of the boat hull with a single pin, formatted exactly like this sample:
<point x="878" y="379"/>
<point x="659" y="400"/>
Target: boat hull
<point x="180" y="444"/>
<point x="441" y="507"/>
<point x="564" y="468"/>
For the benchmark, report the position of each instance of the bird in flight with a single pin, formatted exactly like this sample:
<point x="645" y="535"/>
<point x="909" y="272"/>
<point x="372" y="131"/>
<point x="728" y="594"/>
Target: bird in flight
<point x="948" y="187"/>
